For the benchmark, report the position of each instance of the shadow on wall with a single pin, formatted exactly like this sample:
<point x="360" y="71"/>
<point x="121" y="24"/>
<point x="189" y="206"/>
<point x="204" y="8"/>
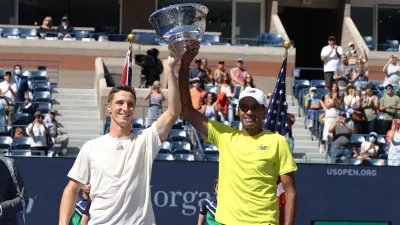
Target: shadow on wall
<point x="112" y="79"/>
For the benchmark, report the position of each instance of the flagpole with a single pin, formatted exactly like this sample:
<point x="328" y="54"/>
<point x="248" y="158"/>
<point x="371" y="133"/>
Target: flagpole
<point x="131" y="38"/>
<point x="286" y="44"/>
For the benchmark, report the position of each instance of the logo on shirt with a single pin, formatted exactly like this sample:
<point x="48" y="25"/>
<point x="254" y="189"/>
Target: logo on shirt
<point x="262" y="147"/>
<point x="121" y="147"/>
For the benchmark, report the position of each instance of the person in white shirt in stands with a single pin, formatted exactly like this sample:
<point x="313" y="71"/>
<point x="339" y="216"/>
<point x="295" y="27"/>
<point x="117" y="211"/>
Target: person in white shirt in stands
<point x="8" y="92"/>
<point x="392" y="70"/>
<point x="330" y="55"/>
<point x="118" y="165"/>
<point x="38" y="133"/>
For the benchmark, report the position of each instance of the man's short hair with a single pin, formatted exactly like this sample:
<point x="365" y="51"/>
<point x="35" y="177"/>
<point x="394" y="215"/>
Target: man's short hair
<point x="8" y="73"/>
<point x="17" y="65"/>
<point x="215" y="182"/>
<point x="117" y="89"/>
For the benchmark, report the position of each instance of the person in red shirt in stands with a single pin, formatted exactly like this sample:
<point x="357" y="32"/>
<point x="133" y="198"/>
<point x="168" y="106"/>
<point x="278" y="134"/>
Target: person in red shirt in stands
<point x="237" y="73"/>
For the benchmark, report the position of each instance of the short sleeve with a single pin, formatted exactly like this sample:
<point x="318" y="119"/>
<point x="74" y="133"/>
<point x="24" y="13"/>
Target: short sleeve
<point x="80" y="171"/>
<point x="340" y="50"/>
<point x="397" y="100"/>
<point x="215" y="131"/>
<point x="14" y="87"/>
<point x="28" y="128"/>
<point x="381" y="101"/>
<point x="203" y="207"/>
<point x="285" y="162"/>
<point x="152" y="139"/>
<point x="323" y="52"/>
<point x="337" y="71"/>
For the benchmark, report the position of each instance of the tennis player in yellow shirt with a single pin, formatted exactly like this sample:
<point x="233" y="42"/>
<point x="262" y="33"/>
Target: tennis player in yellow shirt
<point x="251" y="160"/>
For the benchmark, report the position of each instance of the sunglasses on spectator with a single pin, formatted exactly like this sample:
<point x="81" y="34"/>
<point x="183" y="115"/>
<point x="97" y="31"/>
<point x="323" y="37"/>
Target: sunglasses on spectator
<point x="196" y="81"/>
<point x="253" y="107"/>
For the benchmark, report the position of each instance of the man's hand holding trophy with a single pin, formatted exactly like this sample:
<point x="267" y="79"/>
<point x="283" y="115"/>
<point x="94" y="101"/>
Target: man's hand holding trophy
<point x="181" y="27"/>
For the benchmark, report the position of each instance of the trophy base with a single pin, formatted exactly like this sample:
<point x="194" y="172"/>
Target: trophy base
<point x="182" y="33"/>
<point x="179" y="47"/>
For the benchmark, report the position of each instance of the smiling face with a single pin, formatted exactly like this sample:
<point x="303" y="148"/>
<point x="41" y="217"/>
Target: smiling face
<point x="251" y="113"/>
<point x="121" y="108"/>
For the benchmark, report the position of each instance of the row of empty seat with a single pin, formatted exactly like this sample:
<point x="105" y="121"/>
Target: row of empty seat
<point x="388" y="46"/>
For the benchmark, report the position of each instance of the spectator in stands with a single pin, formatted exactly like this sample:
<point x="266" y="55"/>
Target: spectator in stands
<point x="226" y="86"/>
<point x="389" y="105"/>
<point x="342" y="132"/>
<point x="394" y="145"/>
<point x="209" y="109"/>
<point x="333" y="99"/>
<point x="156" y="97"/>
<point x="19" y="132"/>
<point x="352" y="56"/>
<point x="369" y="149"/>
<point x="312" y="105"/>
<point x="8" y="91"/>
<point x="81" y="204"/>
<point x="3" y="121"/>
<point x="237" y="73"/>
<point x="392" y="70"/>
<point x="225" y="93"/>
<point x="369" y="104"/>
<point x="65" y="30"/>
<point x="38" y="133"/>
<point x="197" y="94"/>
<point x="46" y="27"/>
<point x="331" y="104"/>
<point x="208" y="208"/>
<point x="352" y="104"/>
<point x="220" y="69"/>
<point x="198" y="73"/>
<point x="23" y="90"/>
<point x="360" y="76"/>
<point x="210" y="74"/>
<point x="248" y="81"/>
<point x="330" y="55"/>
<point x="343" y="73"/>
<point x="57" y="133"/>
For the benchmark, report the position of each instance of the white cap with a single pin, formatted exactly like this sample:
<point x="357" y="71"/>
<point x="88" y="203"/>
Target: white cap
<point x="255" y="93"/>
<point x="313" y="89"/>
<point x="350" y="44"/>
<point x="196" y="78"/>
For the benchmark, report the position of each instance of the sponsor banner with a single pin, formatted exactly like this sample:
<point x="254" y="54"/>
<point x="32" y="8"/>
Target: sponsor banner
<point x="325" y="192"/>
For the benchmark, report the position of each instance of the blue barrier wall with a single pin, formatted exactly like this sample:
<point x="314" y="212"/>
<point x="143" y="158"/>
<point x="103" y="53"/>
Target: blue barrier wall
<point x="325" y="192"/>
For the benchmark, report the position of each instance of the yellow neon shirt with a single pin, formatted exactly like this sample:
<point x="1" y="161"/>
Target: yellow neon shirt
<point x="249" y="167"/>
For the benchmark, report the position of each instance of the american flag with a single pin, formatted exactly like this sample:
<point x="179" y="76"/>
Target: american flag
<point x="126" y="78"/>
<point x="276" y="121"/>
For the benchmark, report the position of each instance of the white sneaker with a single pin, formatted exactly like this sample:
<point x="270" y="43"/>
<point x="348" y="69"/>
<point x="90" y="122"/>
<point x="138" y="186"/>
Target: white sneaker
<point x="321" y="148"/>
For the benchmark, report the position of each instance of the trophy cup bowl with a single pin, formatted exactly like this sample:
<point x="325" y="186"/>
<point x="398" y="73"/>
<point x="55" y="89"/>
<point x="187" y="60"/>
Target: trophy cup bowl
<point x="176" y="25"/>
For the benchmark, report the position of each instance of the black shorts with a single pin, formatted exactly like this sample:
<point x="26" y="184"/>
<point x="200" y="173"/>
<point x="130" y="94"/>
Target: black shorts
<point x="328" y="78"/>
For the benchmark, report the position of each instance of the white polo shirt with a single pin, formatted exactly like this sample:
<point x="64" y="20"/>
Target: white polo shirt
<point x="333" y="60"/>
<point x="119" y="172"/>
<point x="7" y="93"/>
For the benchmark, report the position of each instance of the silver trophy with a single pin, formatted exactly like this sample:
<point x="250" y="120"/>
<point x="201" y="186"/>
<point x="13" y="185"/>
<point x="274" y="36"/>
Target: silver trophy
<point x="176" y="25"/>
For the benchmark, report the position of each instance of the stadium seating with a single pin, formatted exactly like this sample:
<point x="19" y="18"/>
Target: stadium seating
<point x="42" y="96"/>
<point x="369" y="42"/>
<point x="392" y="45"/>
<point x="29" y="33"/>
<point x="5" y="144"/>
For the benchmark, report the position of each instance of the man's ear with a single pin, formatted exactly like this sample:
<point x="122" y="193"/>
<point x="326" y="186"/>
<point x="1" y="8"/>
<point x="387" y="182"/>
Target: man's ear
<point x="109" y="108"/>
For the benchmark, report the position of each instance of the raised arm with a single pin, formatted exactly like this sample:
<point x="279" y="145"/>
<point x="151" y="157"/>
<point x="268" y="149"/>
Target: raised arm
<point x="198" y="120"/>
<point x="168" y="118"/>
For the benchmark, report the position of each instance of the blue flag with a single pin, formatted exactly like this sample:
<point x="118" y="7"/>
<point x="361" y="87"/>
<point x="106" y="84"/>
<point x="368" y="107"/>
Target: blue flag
<point x="276" y="120"/>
